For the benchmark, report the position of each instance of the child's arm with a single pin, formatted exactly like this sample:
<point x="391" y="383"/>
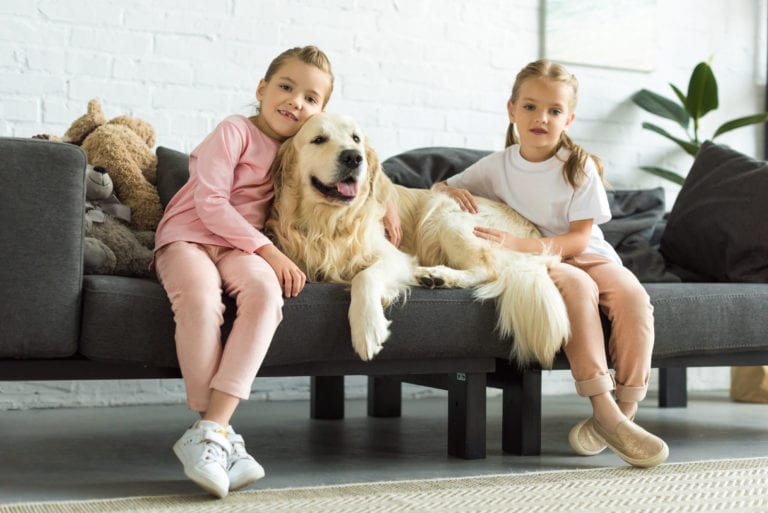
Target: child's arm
<point x="291" y="278"/>
<point x="573" y="242"/>
<point x="392" y="224"/>
<point x="461" y="196"/>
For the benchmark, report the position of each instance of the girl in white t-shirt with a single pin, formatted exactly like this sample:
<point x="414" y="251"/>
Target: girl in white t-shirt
<point x="558" y="186"/>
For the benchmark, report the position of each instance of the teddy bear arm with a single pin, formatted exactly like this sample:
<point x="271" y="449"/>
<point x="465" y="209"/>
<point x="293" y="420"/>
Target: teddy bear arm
<point x="133" y="258"/>
<point x="97" y="257"/>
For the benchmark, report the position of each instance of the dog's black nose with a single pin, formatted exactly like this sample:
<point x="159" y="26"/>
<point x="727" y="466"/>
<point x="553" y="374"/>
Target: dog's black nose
<point x="350" y="159"/>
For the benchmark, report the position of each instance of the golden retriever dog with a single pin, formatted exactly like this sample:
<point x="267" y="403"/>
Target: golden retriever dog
<point x="330" y="199"/>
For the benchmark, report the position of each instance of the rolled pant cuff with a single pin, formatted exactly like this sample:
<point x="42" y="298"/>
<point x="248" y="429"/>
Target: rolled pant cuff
<point x="595" y="386"/>
<point x="630" y="394"/>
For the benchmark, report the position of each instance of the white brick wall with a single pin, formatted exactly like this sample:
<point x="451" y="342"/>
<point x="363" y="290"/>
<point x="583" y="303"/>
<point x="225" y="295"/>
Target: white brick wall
<point x="413" y="72"/>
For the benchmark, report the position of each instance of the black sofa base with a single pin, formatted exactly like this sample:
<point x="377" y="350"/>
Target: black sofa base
<point x="463" y="379"/>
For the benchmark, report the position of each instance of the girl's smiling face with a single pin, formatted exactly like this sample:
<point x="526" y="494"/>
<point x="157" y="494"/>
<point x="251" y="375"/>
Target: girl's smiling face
<point x="295" y="92"/>
<point x="542" y="111"/>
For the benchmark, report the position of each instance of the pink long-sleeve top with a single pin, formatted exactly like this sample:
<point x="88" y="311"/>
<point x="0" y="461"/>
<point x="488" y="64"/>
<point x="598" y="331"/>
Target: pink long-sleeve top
<point x="226" y="200"/>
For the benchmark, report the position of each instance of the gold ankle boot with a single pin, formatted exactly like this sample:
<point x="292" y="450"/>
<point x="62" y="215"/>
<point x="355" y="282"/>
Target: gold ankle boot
<point x="634" y="444"/>
<point x="584" y="440"/>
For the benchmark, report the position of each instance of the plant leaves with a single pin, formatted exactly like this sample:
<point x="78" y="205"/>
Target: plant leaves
<point x="679" y="94"/>
<point x="661" y="106"/>
<point x="740" y="122"/>
<point x="690" y="148"/>
<point x="702" y="92"/>
<point x="664" y="173"/>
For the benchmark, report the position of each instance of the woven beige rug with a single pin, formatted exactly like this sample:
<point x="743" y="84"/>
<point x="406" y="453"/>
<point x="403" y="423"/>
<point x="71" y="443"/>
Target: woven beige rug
<point x="725" y="485"/>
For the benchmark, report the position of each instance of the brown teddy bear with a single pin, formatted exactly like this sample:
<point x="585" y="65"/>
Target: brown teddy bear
<point x="123" y="146"/>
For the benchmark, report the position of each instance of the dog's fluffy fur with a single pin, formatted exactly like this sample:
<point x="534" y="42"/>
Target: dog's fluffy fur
<point x="330" y="197"/>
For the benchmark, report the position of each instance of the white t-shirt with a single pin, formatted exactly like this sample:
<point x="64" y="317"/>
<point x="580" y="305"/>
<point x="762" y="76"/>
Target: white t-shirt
<point x="539" y="192"/>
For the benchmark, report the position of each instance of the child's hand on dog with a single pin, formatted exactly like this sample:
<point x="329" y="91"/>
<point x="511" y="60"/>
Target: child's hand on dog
<point x="461" y="196"/>
<point x="291" y="278"/>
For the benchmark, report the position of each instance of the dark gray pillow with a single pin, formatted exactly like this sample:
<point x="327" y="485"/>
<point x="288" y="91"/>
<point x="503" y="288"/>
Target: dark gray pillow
<point x="172" y="172"/>
<point x="423" y="167"/>
<point x="717" y="228"/>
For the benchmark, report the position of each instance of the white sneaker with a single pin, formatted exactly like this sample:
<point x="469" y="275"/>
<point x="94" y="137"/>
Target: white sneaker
<point x="204" y="451"/>
<point x="243" y="469"/>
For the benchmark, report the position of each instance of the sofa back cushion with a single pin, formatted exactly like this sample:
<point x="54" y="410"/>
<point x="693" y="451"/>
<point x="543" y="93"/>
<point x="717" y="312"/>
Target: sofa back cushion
<point x="172" y="172"/>
<point x="423" y="167"/>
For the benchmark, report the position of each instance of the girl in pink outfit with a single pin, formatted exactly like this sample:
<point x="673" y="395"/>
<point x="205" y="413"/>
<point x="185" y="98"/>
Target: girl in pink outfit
<point x="210" y="242"/>
<point x="558" y="186"/>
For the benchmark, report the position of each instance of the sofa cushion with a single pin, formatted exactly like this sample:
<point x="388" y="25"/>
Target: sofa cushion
<point x="704" y="319"/>
<point x="172" y="172"/>
<point x="704" y="324"/>
<point x="717" y="229"/>
<point x="130" y="320"/>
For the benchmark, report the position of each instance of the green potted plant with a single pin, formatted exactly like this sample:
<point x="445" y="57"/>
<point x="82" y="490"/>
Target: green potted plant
<point x="687" y="111"/>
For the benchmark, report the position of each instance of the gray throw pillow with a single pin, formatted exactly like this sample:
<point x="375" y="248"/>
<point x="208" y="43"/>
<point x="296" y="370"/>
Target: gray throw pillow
<point x="423" y="167"/>
<point x="172" y="172"/>
<point x="635" y="213"/>
<point x="717" y="228"/>
<point x="636" y="220"/>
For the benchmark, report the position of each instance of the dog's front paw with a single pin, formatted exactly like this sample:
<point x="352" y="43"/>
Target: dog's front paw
<point x="437" y="277"/>
<point x="431" y="282"/>
<point x="368" y="343"/>
<point x="369" y="332"/>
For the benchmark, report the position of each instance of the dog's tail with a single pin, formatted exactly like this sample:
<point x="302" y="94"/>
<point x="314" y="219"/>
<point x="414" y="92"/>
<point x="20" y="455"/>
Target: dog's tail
<point x="529" y="307"/>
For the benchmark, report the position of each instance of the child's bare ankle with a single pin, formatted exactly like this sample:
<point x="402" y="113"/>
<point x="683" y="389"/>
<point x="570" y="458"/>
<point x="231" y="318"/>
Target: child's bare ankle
<point x="629" y="409"/>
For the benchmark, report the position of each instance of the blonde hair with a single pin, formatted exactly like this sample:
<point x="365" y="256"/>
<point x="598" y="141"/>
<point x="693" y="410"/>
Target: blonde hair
<point x="311" y="55"/>
<point x="573" y="168"/>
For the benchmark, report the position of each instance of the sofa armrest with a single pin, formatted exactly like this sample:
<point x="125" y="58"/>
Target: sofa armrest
<point x="42" y="200"/>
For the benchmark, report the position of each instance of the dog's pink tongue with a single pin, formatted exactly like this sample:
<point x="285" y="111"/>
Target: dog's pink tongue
<point x="347" y="188"/>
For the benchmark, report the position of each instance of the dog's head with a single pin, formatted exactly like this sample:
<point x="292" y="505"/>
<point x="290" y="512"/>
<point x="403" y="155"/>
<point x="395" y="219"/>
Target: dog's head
<point x="327" y="158"/>
<point x="330" y="195"/>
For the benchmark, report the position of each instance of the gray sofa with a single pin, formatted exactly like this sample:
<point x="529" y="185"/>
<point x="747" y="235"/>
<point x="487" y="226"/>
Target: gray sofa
<point x="56" y="323"/>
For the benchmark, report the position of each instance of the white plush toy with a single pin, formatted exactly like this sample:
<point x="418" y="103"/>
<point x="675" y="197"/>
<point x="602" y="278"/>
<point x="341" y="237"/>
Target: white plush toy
<point x="111" y="247"/>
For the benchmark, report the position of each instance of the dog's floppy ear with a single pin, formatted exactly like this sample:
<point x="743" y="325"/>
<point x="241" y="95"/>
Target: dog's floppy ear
<point x="380" y="185"/>
<point x="372" y="158"/>
<point x="282" y="164"/>
<point x="374" y="167"/>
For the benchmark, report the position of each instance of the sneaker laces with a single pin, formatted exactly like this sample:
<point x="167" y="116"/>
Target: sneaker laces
<point x="238" y="448"/>
<point x="217" y="447"/>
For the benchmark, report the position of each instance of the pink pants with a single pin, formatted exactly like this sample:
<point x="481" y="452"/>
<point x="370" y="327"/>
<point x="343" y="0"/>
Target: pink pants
<point x="193" y="276"/>
<point x="590" y="284"/>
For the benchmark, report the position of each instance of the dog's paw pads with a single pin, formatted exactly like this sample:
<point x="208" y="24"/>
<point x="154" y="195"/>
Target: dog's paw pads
<point x="431" y="282"/>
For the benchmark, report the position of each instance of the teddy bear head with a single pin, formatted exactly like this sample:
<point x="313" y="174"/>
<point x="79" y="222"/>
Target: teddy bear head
<point x="144" y="130"/>
<point x="98" y="184"/>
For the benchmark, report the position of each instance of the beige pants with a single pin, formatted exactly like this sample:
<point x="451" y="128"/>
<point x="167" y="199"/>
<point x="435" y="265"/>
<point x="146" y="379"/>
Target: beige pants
<point x="590" y="284"/>
<point x="194" y="276"/>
